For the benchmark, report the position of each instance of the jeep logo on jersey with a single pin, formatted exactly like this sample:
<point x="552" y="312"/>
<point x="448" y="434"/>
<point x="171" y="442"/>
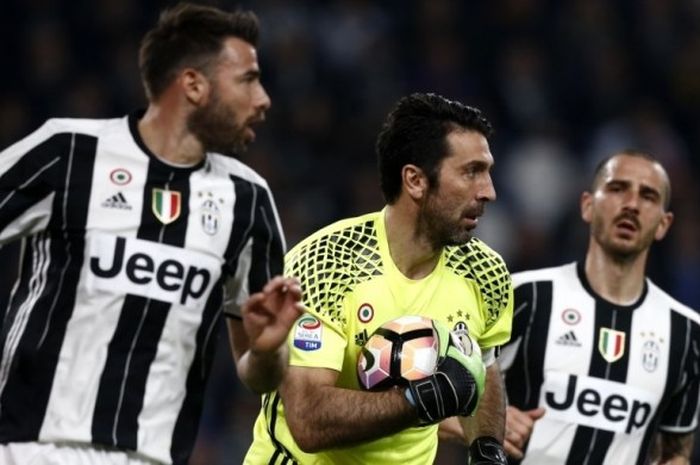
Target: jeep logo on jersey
<point x="148" y="269"/>
<point x="166" y="205"/>
<point x="598" y="403"/>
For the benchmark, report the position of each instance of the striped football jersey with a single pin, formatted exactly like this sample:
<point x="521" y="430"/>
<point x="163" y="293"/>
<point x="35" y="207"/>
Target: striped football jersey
<point x="126" y="263"/>
<point x="608" y="375"/>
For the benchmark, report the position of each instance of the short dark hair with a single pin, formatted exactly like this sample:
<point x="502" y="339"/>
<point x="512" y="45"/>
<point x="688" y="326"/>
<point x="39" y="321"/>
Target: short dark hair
<point x="598" y="172"/>
<point x="415" y="132"/>
<point x="189" y="35"/>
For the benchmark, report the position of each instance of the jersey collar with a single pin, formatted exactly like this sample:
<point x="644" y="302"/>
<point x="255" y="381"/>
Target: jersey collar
<point x="581" y="271"/>
<point x="133" y="119"/>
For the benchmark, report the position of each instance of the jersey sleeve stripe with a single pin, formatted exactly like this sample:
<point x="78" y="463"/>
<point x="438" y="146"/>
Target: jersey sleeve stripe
<point x="31" y="179"/>
<point x="524" y="384"/>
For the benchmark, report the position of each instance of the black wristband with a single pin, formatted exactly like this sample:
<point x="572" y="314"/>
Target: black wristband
<point x="486" y="450"/>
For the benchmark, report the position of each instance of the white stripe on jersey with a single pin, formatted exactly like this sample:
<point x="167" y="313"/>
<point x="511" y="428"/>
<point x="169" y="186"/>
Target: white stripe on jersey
<point x="236" y="291"/>
<point x="34" y="220"/>
<point x="40" y="263"/>
<point x="69" y="411"/>
<point x="170" y="347"/>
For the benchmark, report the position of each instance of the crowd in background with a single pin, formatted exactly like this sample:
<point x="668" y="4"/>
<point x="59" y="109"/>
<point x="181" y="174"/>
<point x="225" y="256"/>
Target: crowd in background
<point x="564" y="84"/>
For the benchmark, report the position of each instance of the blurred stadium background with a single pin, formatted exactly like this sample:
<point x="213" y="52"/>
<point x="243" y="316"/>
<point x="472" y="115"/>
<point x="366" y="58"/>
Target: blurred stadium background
<point x="564" y="83"/>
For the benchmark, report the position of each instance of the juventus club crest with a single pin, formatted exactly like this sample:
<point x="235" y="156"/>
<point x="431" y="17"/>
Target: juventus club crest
<point x="611" y="344"/>
<point x="166" y="205"/>
<point x="210" y="217"/>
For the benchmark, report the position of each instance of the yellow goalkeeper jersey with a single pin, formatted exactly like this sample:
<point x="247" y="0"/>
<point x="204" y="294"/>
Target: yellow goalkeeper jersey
<point x="352" y="286"/>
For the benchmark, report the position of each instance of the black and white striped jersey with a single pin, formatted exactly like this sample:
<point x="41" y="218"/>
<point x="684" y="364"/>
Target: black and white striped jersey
<point x="125" y="266"/>
<point x="607" y="375"/>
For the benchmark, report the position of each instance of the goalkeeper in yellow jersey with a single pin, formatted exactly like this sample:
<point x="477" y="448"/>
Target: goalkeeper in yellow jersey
<point x="414" y="257"/>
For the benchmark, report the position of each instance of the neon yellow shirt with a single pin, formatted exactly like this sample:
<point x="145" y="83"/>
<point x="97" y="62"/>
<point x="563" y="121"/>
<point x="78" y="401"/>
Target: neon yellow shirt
<point x="351" y="286"/>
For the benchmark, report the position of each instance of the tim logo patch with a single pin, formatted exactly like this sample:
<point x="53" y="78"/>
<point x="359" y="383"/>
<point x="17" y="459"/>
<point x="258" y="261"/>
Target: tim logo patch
<point x="307" y="333"/>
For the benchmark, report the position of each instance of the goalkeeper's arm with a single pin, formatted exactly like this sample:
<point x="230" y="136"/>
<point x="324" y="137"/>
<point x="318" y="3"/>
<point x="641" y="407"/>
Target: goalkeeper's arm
<point x="321" y="415"/>
<point x="485" y="430"/>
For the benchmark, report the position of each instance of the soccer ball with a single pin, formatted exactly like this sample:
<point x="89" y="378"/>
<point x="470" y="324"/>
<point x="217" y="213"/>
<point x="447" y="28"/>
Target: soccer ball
<point x="399" y="351"/>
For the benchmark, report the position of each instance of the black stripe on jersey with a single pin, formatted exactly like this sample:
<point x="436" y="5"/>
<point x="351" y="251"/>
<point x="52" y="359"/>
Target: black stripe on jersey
<point x="268" y="253"/>
<point x="134" y="344"/>
<point x="129" y="355"/>
<point x="590" y="445"/>
<point x="682" y="367"/>
<point x="254" y="217"/>
<point x="690" y="375"/>
<point x="50" y="273"/>
<point x="525" y="377"/>
<point x="243" y="218"/>
<point x="187" y="424"/>
<point x="35" y="175"/>
<point x="272" y="423"/>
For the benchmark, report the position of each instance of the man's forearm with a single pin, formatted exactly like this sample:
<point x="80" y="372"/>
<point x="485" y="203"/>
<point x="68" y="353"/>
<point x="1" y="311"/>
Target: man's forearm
<point x="335" y="417"/>
<point x="263" y="372"/>
<point x="489" y="419"/>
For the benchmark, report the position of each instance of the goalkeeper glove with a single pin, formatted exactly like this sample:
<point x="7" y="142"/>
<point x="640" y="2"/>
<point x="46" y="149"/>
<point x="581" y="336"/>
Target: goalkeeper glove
<point x="457" y="384"/>
<point x="486" y="451"/>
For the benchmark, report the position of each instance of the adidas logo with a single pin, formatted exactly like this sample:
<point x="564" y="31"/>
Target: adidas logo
<point x="568" y="339"/>
<point x="117" y="201"/>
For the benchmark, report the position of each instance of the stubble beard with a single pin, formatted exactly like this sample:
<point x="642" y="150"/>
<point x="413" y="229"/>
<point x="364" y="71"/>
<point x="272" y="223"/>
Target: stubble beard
<point x="215" y="127"/>
<point x="435" y="225"/>
<point x="621" y="252"/>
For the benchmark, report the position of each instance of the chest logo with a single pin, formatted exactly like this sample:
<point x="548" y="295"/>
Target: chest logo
<point x="117" y="201"/>
<point x="166" y="205"/>
<point x="120" y="176"/>
<point x="365" y="313"/>
<point x="611" y="344"/>
<point x="210" y="217"/>
<point x="651" y="351"/>
<point x="571" y="316"/>
<point x="568" y="339"/>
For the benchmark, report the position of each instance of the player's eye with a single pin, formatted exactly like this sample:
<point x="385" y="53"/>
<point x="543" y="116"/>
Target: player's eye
<point x="650" y="196"/>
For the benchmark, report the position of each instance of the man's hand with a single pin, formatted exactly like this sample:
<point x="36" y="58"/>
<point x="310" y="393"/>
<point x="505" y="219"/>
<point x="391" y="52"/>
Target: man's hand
<point x="519" y="426"/>
<point x="268" y="315"/>
<point x="672" y="448"/>
<point x="457" y="384"/>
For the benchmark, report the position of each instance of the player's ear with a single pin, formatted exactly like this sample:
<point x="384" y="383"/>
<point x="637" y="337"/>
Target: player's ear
<point x="587" y="206"/>
<point x="195" y="86"/>
<point x="414" y="181"/>
<point x="663" y="226"/>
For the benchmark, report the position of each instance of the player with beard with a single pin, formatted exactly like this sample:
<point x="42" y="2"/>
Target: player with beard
<point x="603" y="366"/>
<point x="414" y="257"/>
<point x="139" y="234"/>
